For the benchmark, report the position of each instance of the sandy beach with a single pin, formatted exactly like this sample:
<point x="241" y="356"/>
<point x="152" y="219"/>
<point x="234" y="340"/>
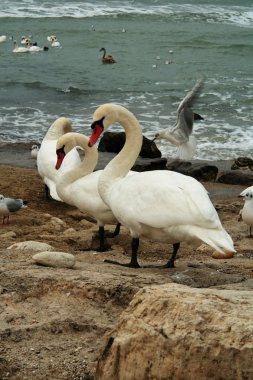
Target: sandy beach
<point x="54" y="321"/>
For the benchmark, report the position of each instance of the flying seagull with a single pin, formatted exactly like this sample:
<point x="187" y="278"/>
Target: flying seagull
<point x="10" y="205"/>
<point x="181" y="134"/>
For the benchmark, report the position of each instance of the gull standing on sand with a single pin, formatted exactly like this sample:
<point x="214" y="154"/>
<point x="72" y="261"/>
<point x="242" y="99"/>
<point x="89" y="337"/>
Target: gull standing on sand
<point x="10" y="205"/>
<point x="34" y="152"/>
<point x="246" y="213"/>
<point x="181" y="134"/>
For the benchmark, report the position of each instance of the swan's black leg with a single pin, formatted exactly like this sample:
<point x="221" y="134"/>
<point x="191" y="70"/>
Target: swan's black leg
<point x="134" y="262"/>
<point x="103" y="246"/>
<point x="47" y="191"/>
<point x="170" y="263"/>
<point x="114" y="233"/>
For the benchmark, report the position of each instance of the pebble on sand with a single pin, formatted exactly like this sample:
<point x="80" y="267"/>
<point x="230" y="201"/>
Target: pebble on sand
<point x="35" y="246"/>
<point x="55" y="259"/>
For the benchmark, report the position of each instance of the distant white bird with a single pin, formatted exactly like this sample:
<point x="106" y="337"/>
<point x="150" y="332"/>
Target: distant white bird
<point x="246" y="213"/>
<point x="181" y="135"/>
<point x="46" y="158"/>
<point x="10" y="205"/>
<point x="54" y="41"/>
<point x="161" y="205"/>
<point x="19" y="49"/>
<point x="3" y="38"/>
<point x="34" y="152"/>
<point x="35" y="48"/>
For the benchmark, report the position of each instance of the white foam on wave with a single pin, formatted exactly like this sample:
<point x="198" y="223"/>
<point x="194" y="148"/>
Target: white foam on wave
<point x="240" y="15"/>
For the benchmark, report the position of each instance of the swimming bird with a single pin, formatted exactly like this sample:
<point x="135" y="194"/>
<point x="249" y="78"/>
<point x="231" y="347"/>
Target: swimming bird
<point x="78" y="187"/>
<point x="107" y="58"/>
<point x="246" y="213"/>
<point x="161" y="205"/>
<point x="19" y="49"/>
<point x="3" y="38"/>
<point x="34" y="47"/>
<point x="47" y="156"/>
<point x="54" y="41"/>
<point x="10" y="205"/>
<point x="34" y="151"/>
<point x="181" y="135"/>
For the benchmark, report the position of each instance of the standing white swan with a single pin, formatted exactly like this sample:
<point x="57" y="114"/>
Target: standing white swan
<point x="78" y="186"/>
<point x="181" y="135"/>
<point x="160" y="205"/>
<point x="46" y="157"/>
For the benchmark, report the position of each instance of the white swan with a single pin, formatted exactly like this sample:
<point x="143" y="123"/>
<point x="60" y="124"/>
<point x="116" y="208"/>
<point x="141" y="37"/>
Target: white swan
<point x="3" y="38"/>
<point x="78" y="187"/>
<point x="35" y="48"/>
<point x="54" y="41"/>
<point x="47" y="156"/>
<point x="246" y="213"/>
<point x="161" y="205"/>
<point x="181" y="135"/>
<point x="19" y="49"/>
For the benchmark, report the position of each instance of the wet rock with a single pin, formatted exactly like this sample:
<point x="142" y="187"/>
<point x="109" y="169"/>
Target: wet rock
<point x="200" y="171"/>
<point x="28" y="245"/>
<point x="114" y="141"/>
<point x="242" y="163"/>
<point x="237" y="177"/>
<point x="55" y="259"/>
<point x="178" y="332"/>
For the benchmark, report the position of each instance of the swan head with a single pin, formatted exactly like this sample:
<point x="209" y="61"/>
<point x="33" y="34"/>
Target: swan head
<point x="69" y="141"/>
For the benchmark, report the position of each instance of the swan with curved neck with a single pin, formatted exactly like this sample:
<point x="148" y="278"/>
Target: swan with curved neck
<point x="107" y="58"/>
<point x="161" y="205"/>
<point x="46" y="157"/>
<point x="78" y="186"/>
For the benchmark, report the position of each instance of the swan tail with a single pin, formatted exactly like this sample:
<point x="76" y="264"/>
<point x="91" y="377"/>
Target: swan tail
<point x="187" y="150"/>
<point x="218" y="239"/>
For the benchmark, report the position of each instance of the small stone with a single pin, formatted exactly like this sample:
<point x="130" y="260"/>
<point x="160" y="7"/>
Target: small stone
<point x="31" y="245"/>
<point x="219" y="255"/>
<point x="55" y="259"/>
<point x="10" y="234"/>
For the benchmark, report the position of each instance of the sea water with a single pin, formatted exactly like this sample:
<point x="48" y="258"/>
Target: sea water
<point x="162" y="48"/>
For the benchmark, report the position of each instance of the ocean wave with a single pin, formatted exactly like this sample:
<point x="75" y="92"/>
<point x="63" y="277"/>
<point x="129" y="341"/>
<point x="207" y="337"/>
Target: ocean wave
<point x="240" y="15"/>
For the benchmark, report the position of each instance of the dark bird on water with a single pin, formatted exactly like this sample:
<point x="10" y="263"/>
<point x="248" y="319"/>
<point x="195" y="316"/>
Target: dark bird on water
<point x="107" y="58"/>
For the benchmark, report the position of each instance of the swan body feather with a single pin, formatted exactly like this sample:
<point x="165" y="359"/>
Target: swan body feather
<point x="46" y="157"/>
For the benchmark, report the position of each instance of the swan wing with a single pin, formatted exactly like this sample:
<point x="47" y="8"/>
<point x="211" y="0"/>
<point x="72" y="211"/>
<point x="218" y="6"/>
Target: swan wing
<point x="161" y="199"/>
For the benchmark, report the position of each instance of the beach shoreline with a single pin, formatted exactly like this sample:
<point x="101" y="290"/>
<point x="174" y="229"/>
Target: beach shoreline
<point x="69" y="312"/>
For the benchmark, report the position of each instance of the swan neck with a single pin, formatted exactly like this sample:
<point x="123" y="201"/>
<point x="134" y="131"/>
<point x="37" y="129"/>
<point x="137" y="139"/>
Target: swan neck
<point x="120" y="165"/>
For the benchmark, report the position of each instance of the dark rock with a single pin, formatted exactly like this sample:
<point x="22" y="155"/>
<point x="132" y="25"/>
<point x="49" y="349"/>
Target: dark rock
<point x="242" y="163"/>
<point x="237" y="177"/>
<point x="141" y="164"/>
<point x="114" y="141"/>
<point x="145" y="164"/>
<point x="199" y="171"/>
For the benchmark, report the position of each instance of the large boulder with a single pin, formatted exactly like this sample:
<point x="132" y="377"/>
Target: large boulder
<point x="200" y="171"/>
<point x="177" y="332"/>
<point x="114" y="141"/>
<point x="237" y="177"/>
